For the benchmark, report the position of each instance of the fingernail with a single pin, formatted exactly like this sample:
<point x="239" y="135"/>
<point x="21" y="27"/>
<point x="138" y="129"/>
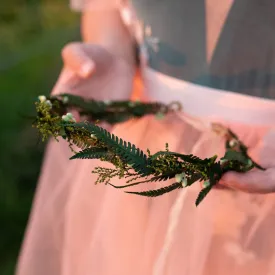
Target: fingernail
<point x="126" y="16"/>
<point x="87" y="69"/>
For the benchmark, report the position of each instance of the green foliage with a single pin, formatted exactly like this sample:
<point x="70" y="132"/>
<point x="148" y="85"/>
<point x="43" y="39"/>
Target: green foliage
<point x="158" y="192"/>
<point x="203" y="193"/>
<point x="131" y="162"/>
<point x="235" y="155"/>
<point x="109" y="111"/>
<point x="47" y="124"/>
<point x="125" y="150"/>
<point x="91" y="153"/>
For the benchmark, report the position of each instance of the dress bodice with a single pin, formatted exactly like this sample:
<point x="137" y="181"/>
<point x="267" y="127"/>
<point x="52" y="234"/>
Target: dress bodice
<point x="242" y="60"/>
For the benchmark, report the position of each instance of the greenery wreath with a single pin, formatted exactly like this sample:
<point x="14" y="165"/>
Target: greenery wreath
<point x="130" y="162"/>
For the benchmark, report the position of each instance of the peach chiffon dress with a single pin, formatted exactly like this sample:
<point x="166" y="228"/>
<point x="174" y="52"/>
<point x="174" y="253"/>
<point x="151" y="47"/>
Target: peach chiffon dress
<point x="77" y="228"/>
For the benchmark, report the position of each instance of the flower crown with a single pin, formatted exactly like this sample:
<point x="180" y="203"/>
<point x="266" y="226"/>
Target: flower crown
<point x="137" y="167"/>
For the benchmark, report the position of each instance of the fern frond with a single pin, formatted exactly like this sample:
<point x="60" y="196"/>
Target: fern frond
<point x="91" y="153"/>
<point x="234" y="155"/>
<point x="129" y="185"/>
<point x="153" y="179"/>
<point x="130" y="162"/>
<point x="83" y="142"/>
<point x="203" y="194"/>
<point x="187" y="158"/>
<point x="194" y="178"/>
<point x="125" y="150"/>
<point x="158" y="192"/>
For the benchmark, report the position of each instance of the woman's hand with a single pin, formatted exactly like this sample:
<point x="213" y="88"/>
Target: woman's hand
<point x="256" y="181"/>
<point x="93" y="72"/>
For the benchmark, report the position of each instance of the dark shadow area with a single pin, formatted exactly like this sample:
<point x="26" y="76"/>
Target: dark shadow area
<point x="32" y="33"/>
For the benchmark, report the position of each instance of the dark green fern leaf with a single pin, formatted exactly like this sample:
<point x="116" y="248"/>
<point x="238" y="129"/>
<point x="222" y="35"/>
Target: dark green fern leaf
<point x="90" y="153"/>
<point x="158" y="192"/>
<point x="163" y="177"/>
<point x="193" y="178"/>
<point x="187" y="158"/>
<point x="153" y="179"/>
<point x="234" y="155"/>
<point x="129" y="185"/>
<point x="126" y="151"/>
<point x="203" y="194"/>
<point x="214" y="173"/>
<point x="258" y="166"/>
<point x="80" y="142"/>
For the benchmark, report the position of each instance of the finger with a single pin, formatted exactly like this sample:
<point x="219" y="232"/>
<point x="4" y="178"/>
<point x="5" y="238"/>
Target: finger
<point x="75" y="57"/>
<point x="249" y="135"/>
<point x="255" y="181"/>
<point x="217" y="186"/>
<point x="64" y="83"/>
<point x="267" y="152"/>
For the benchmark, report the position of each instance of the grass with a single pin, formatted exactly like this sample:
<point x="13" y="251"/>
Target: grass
<point x="31" y="37"/>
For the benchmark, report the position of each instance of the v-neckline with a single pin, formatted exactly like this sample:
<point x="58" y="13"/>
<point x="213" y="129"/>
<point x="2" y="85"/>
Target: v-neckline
<point x="216" y="17"/>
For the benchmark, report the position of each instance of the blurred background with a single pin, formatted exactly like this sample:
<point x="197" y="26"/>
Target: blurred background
<point x="32" y="34"/>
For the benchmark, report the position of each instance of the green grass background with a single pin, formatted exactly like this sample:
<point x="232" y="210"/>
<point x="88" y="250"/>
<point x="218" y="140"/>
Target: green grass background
<point x="32" y="34"/>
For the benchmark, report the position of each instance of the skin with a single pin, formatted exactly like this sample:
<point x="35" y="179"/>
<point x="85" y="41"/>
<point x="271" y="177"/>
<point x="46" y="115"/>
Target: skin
<point x="99" y="63"/>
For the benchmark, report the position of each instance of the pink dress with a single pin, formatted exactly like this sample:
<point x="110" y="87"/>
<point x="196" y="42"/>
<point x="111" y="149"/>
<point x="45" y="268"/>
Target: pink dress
<point x="77" y="228"/>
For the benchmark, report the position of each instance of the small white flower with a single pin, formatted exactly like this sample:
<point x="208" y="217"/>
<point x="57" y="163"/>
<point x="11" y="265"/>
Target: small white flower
<point x="42" y="98"/>
<point x="206" y="184"/>
<point x="184" y="182"/>
<point x="68" y="117"/>
<point x="48" y="102"/>
<point x="233" y="142"/>
<point x="222" y="161"/>
<point x="174" y="106"/>
<point x="65" y="99"/>
<point x="179" y="177"/>
<point x="65" y="118"/>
